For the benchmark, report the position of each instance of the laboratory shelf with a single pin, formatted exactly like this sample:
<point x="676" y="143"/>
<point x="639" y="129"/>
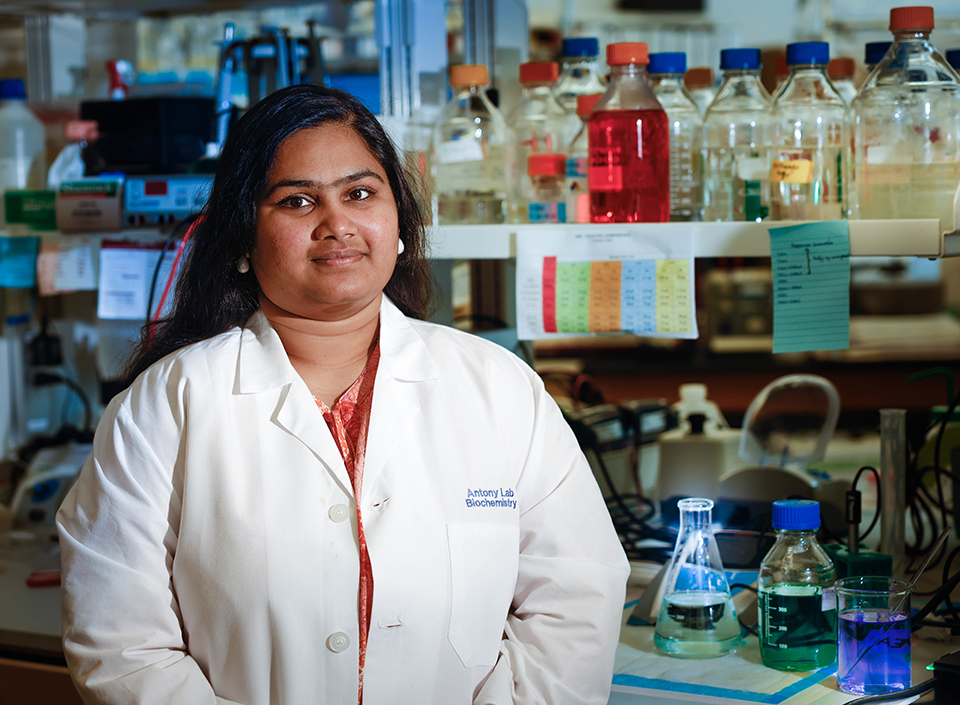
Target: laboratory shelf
<point x="884" y="238"/>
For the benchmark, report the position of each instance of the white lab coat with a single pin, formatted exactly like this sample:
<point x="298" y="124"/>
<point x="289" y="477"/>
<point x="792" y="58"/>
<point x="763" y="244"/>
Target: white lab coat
<point x="209" y="546"/>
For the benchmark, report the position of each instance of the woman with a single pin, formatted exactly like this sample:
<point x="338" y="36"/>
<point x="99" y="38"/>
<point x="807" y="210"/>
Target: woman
<point x="306" y="495"/>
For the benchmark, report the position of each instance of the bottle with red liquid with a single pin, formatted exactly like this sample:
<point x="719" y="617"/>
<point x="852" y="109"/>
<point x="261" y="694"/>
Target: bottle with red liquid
<point x="629" y="171"/>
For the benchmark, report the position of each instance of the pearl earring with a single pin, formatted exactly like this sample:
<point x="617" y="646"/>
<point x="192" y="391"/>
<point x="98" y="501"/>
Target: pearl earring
<point x="400" y="246"/>
<point x="243" y="265"/>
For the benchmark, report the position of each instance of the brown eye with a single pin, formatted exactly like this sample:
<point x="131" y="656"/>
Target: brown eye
<point x="360" y="194"/>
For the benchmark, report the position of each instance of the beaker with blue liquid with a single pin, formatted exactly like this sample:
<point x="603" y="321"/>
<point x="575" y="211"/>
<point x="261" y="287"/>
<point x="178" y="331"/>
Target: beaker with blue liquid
<point x="697" y="617"/>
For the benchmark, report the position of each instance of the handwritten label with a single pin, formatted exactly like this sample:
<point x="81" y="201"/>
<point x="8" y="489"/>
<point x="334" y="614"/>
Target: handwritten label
<point x="794" y="171"/>
<point x="811" y="286"/>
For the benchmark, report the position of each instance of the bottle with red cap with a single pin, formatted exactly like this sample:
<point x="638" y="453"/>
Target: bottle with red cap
<point x="473" y="159"/>
<point x="906" y="128"/>
<point x="538" y="122"/>
<point x="841" y="71"/>
<point x="578" y="157"/>
<point x="547" y="174"/>
<point x="629" y="170"/>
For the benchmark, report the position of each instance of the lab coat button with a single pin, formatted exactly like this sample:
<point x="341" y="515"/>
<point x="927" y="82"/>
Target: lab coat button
<point x="337" y="642"/>
<point x="339" y="513"/>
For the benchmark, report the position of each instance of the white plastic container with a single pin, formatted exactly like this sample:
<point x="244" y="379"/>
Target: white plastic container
<point x="22" y="154"/>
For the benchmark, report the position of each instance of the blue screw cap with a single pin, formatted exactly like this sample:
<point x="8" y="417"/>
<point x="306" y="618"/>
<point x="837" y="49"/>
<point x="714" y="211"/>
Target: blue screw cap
<point x="874" y="52"/>
<point x="581" y="46"/>
<point x="796" y="514"/>
<point x="12" y="88"/>
<point x="732" y="59"/>
<point x="668" y="62"/>
<point x="808" y="53"/>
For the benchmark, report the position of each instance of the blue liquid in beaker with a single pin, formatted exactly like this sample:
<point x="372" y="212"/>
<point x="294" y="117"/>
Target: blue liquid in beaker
<point x="874" y="651"/>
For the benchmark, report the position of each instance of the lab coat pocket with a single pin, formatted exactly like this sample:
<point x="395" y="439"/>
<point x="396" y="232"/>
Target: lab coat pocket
<point x="483" y="566"/>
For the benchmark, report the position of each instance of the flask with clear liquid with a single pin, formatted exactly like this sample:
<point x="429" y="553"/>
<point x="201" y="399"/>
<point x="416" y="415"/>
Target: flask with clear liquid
<point x="808" y="173"/>
<point x="737" y="139"/>
<point x="906" y="128"/>
<point x="473" y="161"/>
<point x="697" y="617"/>
<point x="796" y="606"/>
<point x="629" y="170"/>
<point x="684" y="124"/>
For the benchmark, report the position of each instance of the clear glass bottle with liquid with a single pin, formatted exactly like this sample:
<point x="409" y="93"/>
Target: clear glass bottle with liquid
<point x="684" y="123"/>
<point x="548" y="177"/>
<point x="737" y="139"/>
<point x="796" y="607"/>
<point x="538" y="123"/>
<point x="906" y="127"/>
<point x="578" y="157"/>
<point x="697" y="617"/>
<point x="22" y="142"/>
<point x="808" y="173"/>
<point x="580" y="72"/>
<point x="473" y="160"/>
<point x="629" y="170"/>
<point x="842" y="70"/>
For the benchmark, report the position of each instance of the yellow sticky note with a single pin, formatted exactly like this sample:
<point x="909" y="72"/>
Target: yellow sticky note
<point x="793" y="171"/>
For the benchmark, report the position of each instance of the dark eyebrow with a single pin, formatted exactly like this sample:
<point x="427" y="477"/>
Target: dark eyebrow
<point x="306" y="183"/>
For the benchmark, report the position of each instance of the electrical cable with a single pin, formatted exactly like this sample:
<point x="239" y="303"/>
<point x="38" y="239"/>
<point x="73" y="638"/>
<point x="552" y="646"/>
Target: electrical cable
<point x="187" y="223"/>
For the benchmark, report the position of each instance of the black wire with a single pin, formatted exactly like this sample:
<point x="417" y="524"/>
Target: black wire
<point x="920" y="689"/>
<point x="876" y="516"/>
<point x="179" y="227"/>
<point x="750" y="629"/>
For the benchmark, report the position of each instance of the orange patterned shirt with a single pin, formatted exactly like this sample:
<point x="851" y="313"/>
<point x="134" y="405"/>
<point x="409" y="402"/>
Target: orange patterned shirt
<point x="348" y="422"/>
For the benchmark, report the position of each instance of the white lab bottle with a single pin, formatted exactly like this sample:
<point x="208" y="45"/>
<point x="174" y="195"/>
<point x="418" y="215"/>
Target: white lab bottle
<point x="578" y="159"/>
<point x="22" y="142"/>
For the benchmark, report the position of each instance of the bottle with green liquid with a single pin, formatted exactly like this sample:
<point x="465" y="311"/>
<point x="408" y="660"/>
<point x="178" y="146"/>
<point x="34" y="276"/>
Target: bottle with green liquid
<point x="797" y="609"/>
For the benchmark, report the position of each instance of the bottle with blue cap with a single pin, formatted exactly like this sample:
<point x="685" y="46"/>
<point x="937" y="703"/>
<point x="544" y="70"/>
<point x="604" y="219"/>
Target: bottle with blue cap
<point x="580" y="74"/>
<point x="811" y="156"/>
<point x="737" y="138"/>
<point x="667" y="70"/>
<point x="873" y="53"/>
<point x="22" y="142"/>
<point x="797" y="610"/>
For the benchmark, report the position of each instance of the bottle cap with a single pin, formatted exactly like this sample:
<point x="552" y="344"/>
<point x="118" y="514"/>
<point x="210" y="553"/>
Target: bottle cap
<point x="874" y="52"/>
<point x="539" y="72"/>
<point x="12" y="89"/>
<point x="739" y="59"/>
<point x="796" y="514"/>
<point x="623" y="53"/>
<point x="586" y="101"/>
<point x="469" y="75"/>
<point x="841" y="67"/>
<point x="918" y="17"/>
<point x="808" y="53"/>
<point x="543" y="164"/>
<point x="80" y="130"/>
<point x="953" y="57"/>
<point x="581" y="46"/>
<point x="668" y="62"/>
<point x="698" y="77"/>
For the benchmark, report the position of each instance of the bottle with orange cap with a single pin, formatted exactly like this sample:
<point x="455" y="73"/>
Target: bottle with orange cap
<point x="547" y="173"/>
<point x="700" y="82"/>
<point x="629" y="170"/>
<point x="578" y="157"/>
<point x="538" y="123"/>
<point x="906" y="128"/>
<point x="473" y="160"/>
<point x="841" y="71"/>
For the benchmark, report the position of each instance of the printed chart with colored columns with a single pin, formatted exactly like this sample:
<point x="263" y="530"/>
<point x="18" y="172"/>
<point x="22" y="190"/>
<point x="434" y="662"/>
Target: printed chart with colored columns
<point x="580" y="283"/>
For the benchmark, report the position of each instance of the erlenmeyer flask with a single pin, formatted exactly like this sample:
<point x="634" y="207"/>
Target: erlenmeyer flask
<point x="697" y="618"/>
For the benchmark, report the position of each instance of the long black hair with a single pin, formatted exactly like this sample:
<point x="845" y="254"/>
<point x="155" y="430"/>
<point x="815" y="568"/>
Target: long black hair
<point x="211" y="295"/>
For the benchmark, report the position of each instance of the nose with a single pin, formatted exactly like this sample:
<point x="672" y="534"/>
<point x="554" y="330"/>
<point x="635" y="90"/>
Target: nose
<point x="335" y="221"/>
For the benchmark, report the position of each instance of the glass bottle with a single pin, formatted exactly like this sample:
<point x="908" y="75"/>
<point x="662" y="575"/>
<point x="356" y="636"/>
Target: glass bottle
<point x="22" y="142"/>
<point x="548" y="198"/>
<point x="473" y="159"/>
<point x="580" y="74"/>
<point x="684" y="123"/>
<point x="873" y="53"/>
<point x="841" y="71"/>
<point x="796" y="607"/>
<point x="699" y="81"/>
<point x="629" y="171"/>
<point x="906" y="127"/>
<point x="538" y="124"/>
<point x="697" y="617"/>
<point x="737" y="139"/>
<point x="578" y="156"/>
<point x="808" y="173"/>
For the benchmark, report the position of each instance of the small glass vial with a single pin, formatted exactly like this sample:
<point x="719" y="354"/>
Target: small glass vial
<point x="547" y="198"/>
<point x="797" y="609"/>
<point x="697" y="617"/>
<point x="578" y="156"/>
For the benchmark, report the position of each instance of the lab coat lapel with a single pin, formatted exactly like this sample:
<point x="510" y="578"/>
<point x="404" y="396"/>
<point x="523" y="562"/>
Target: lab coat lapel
<point x="264" y="366"/>
<point x="405" y="380"/>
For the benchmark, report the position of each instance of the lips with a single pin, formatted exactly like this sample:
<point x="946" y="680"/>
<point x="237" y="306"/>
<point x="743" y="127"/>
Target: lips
<point x="338" y="256"/>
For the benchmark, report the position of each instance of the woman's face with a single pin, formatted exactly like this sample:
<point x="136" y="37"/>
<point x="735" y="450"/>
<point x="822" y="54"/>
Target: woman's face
<point x="327" y="226"/>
